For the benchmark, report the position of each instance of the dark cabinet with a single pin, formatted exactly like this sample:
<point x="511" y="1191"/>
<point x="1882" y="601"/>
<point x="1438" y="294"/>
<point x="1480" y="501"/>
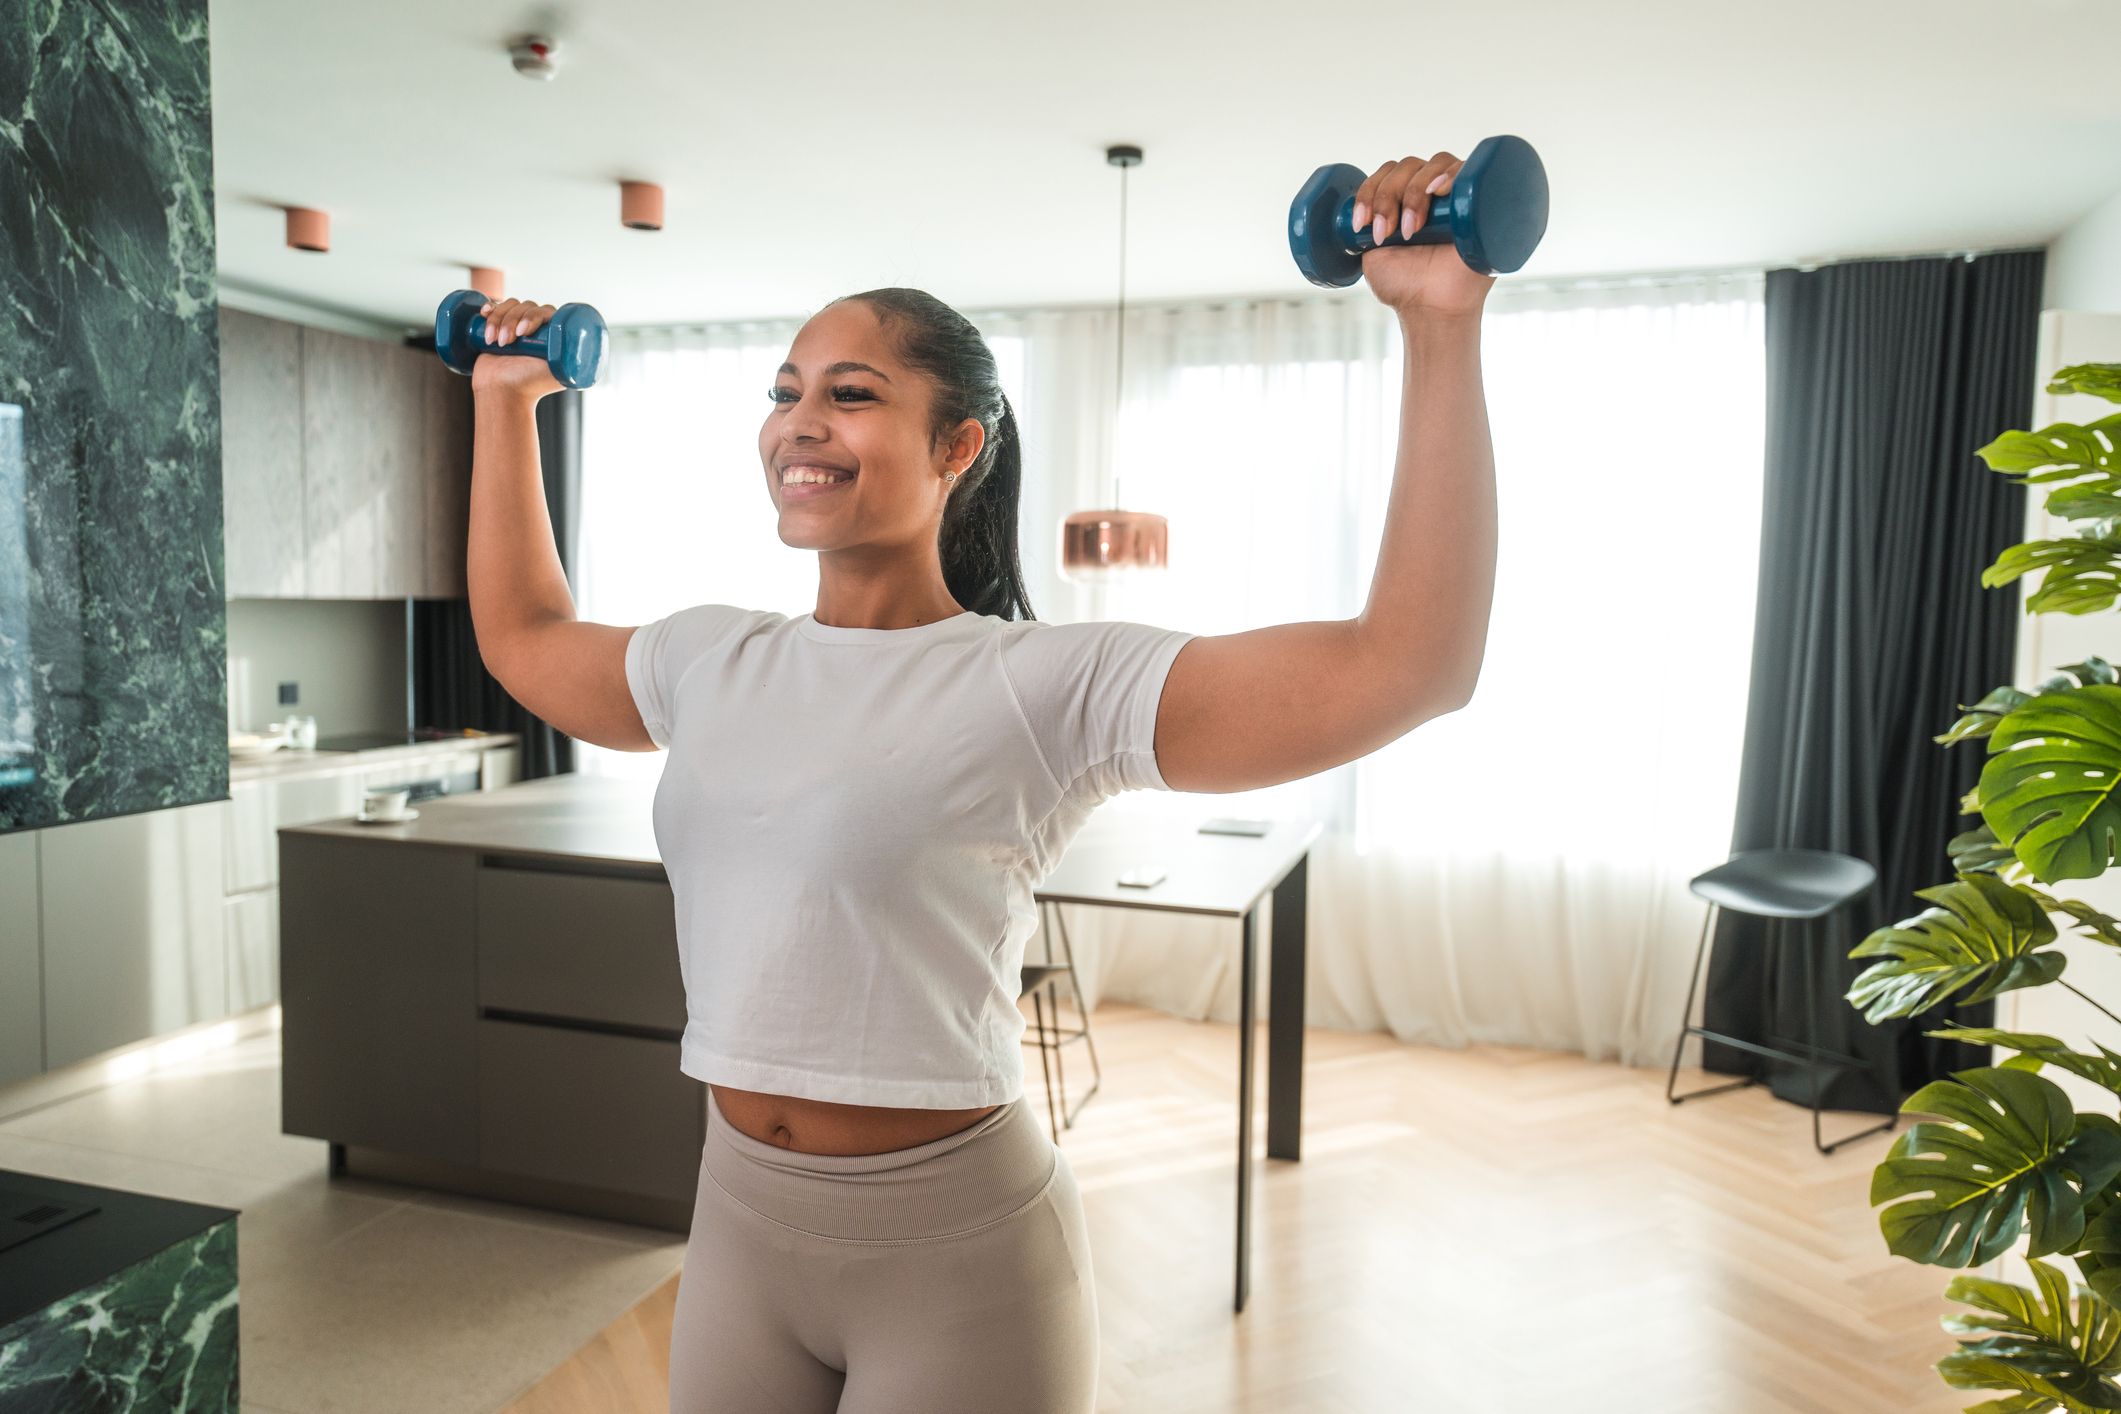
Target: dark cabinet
<point x="379" y="1016"/>
<point x="514" y="1018"/>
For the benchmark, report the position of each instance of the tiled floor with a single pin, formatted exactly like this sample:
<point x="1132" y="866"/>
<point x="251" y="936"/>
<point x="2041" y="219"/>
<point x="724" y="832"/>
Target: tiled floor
<point x="356" y="1295"/>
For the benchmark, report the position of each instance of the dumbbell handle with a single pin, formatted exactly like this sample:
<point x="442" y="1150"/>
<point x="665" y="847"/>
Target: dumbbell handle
<point x="536" y="344"/>
<point x="1435" y="228"/>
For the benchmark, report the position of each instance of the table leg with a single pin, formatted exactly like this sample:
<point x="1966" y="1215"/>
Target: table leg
<point x="1285" y="1024"/>
<point x="1244" y="1107"/>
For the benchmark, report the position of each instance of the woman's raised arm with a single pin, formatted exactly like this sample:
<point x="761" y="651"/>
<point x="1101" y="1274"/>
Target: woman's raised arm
<point x="1245" y="710"/>
<point x="569" y="673"/>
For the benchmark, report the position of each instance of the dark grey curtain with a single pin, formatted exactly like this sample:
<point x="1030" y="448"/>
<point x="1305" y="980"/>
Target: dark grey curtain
<point x="451" y="687"/>
<point x="1871" y="628"/>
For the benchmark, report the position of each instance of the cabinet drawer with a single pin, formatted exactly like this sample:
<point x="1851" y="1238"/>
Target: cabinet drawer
<point x="250" y="853"/>
<point x="583" y="1107"/>
<point x="588" y="947"/>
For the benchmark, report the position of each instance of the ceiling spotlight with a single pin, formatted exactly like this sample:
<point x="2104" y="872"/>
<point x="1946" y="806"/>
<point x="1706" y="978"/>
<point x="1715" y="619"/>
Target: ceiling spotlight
<point x="307" y="229"/>
<point x="533" y="56"/>
<point x="641" y="206"/>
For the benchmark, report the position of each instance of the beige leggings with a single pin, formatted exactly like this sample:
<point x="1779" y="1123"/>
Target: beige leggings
<point x="949" y="1278"/>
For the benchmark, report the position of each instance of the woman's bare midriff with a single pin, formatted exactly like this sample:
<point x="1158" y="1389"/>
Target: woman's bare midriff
<point x="825" y="1127"/>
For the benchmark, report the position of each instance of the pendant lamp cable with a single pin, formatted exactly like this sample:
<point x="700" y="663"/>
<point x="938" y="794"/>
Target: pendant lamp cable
<point x="1119" y="360"/>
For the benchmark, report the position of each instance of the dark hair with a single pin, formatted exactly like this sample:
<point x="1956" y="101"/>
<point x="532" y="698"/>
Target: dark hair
<point x="977" y="541"/>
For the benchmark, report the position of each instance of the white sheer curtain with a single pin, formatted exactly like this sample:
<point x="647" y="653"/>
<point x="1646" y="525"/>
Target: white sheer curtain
<point x="1513" y="872"/>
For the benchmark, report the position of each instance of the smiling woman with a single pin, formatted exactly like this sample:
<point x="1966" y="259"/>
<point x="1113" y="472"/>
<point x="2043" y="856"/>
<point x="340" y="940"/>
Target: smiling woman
<point x="852" y="905"/>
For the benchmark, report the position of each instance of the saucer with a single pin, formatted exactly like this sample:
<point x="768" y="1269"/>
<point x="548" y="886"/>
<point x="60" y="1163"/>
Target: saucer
<point x="366" y="819"/>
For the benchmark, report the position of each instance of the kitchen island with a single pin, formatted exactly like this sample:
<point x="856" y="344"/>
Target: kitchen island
<point x="487" y="1000"/>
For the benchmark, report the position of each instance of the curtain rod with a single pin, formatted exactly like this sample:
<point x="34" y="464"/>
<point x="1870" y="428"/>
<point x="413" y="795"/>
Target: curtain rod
<point x="1557" y="284"/>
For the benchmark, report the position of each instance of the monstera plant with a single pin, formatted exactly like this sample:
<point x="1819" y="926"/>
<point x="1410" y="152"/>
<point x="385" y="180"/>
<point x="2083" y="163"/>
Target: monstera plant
<point x="2005" y="1154"/>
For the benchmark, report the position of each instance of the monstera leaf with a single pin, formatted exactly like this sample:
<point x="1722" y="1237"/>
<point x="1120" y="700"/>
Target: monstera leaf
<point x="2041" y="1344"/>
<point x="2099" y="927"/>
<point x="1981" y="718"/>
<point x="2035" y="1051"/>
<point x="2101" y="380"/>
<point x="2009" y="1153"/>
<point x="2080" y="575"/>
<point x="2063" y="451"/>
<point x="1982" y="933"/>
<point x="2098" y="1254"/>
<point x="2072" y="504"/>
<point x="1978" y="852"/>
<point x="2047" y="789"/>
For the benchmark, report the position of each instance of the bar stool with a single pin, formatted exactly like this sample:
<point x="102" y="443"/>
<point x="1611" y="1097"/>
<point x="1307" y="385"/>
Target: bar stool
<point x="1041" y="982"/>
<point x="1779" y="883"/>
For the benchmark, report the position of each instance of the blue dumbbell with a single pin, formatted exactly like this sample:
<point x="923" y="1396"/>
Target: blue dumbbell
<point x="572" y="342"/>
<point x="1495" y="213"/>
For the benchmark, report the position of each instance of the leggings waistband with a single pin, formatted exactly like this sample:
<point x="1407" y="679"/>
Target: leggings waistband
<point x="946" y="1187"/>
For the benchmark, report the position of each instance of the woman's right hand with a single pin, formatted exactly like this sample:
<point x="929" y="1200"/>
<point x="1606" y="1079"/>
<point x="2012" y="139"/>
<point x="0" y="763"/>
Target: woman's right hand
<point x="506" y="322"/>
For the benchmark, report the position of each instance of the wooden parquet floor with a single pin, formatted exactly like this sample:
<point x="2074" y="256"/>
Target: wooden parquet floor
<point x="1493" y="1230"/>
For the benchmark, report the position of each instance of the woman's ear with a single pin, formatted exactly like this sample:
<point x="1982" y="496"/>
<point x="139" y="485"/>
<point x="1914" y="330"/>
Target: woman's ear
<point x="965" y="447"/>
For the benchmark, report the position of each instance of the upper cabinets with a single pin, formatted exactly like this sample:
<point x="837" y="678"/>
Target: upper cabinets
<point x="346" y="465"/>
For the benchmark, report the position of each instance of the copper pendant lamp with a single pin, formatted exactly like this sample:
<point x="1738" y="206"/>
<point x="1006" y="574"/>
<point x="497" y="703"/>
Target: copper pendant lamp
<point x="1106" y="544"/>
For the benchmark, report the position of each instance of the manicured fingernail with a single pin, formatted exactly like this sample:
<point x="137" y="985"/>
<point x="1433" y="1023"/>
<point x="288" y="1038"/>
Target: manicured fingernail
<point x="1378" y="229"/>
<point x="1406" y="224"/>
<point x="1362" y="215"/>
<point x="1440" y="181"/>
<point x="522" y="326"/>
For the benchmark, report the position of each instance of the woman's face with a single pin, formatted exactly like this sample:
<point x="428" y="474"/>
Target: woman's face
<point x="846" y="447"/>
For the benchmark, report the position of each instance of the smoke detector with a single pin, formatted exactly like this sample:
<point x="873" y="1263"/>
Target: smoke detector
<point x="533" y="56"/>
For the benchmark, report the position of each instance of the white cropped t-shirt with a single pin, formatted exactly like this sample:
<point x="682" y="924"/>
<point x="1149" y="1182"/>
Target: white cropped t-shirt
<point x="853" y="820"/>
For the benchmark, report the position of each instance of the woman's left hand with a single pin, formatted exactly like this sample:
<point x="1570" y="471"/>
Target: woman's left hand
<point x="1415" y="279"/>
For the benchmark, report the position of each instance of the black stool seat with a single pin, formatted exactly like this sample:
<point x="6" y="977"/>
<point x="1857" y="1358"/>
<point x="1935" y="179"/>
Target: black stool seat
<point x="1785" y="883"/>
<point x="1778" y="883"/>
<point x="1037" y="975"/>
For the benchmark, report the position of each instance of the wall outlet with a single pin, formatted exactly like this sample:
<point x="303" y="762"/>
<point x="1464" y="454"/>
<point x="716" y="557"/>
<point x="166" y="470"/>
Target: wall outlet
<point x="290" y="694"/>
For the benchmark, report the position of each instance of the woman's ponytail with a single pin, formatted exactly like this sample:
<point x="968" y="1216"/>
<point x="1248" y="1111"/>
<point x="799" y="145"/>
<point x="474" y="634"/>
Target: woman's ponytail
<point x="977" y="540"/>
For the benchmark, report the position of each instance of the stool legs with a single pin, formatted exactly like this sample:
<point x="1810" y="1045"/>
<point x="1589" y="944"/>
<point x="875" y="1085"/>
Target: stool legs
<point x="1686" y="1028"/>
<point x="1038" y="1012"/>
<point x="1082" y="1012"/>
<point x="1811" y="1044"/>
<point x="1815" y="1056"/>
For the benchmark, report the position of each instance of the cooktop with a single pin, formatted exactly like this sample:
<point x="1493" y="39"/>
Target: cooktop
<point x="370" y="741"/>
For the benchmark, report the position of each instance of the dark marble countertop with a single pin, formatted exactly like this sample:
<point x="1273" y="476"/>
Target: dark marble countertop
<point x="127" y="1229"/>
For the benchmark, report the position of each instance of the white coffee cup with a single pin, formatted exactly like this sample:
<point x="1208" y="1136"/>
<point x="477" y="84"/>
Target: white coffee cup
<point x="385" y="804"/>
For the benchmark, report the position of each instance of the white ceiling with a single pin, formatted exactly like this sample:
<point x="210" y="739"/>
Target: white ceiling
<point x="814" y="149"/>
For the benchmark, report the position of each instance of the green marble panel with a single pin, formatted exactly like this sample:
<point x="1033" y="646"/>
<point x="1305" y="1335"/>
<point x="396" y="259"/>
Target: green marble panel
<point x="160" y="1335"/>
<point x="113" y="627"/>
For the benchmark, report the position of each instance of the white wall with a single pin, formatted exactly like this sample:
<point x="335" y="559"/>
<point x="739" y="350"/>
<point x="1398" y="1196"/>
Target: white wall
<point x="2084" y="263"/>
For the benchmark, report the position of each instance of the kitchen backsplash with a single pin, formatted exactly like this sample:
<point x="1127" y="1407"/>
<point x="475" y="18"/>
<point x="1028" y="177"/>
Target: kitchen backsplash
<point x="346" y="655"/>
